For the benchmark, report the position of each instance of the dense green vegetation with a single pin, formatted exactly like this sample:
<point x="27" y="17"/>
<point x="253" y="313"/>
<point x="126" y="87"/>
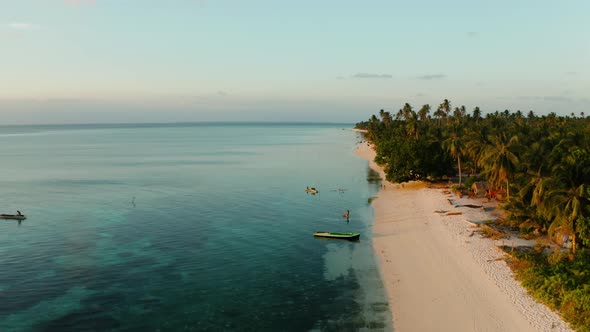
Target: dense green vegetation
<point x="559" y="282"/>
<point x="540" y="166"/>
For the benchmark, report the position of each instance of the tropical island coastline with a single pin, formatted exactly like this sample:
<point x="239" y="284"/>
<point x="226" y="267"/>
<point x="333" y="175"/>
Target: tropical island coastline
<point x="534" y="168"/>
<point x="437" y="276"/>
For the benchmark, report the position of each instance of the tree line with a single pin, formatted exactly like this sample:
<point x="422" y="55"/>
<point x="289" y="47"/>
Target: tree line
<point x="540" y="163"/>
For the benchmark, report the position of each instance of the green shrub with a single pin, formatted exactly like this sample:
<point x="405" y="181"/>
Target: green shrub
<point x="576" y="308"/>
<point x="557" y="257"/>
<point x="561" y="283"/>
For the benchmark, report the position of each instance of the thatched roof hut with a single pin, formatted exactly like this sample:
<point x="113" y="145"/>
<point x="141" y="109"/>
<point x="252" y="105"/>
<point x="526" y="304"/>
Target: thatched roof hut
<point x="479" y="188"/>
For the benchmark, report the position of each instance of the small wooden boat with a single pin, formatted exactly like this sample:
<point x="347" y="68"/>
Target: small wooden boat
<point x="13" y="216"/>
<point x="345" y="236"/>
<point x="312" y="191"/>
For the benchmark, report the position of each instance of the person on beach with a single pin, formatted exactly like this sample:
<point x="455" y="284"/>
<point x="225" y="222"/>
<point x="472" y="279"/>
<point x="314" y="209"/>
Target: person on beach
<point x="565" y="239"/>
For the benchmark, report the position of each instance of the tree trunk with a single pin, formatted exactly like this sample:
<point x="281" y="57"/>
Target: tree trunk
<point x="574" y="243"/>
<point x="459" y="163"/>
<point x="507" y="190"/>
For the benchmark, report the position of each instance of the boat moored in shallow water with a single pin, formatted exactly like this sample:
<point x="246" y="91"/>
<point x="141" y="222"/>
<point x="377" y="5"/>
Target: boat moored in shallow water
<point x="312" y="190"/>
<point x="13" y="216"/>
<point x="333" y="235"/>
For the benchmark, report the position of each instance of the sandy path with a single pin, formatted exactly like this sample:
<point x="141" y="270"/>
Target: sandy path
<point x="437" y="276"/>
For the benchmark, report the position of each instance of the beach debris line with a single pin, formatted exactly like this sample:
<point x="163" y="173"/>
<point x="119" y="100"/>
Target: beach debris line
<point x="470" y="206"/>
<point x="492" y="232"/>
<point x="477" y="223"/>
<point x="454" y="213"/>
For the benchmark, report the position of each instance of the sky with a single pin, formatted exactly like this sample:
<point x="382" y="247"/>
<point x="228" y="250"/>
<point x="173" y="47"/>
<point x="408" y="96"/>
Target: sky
<point x="105" y="61"/>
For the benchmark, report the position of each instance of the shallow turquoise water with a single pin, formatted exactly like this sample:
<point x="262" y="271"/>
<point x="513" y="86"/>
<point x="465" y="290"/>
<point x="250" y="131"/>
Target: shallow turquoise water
<point x="185" y="227"/>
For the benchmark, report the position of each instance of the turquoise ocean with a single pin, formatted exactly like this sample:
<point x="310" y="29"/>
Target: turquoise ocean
<point x="186" y="227"/>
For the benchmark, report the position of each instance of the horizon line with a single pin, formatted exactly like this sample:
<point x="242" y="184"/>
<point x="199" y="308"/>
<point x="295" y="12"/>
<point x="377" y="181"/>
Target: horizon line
<point x="183" y="123"/>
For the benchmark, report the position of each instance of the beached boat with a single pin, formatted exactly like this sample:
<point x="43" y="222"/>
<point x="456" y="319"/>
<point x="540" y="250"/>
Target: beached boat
<point x="13" y="216"/>
<point x="346" y="236"/>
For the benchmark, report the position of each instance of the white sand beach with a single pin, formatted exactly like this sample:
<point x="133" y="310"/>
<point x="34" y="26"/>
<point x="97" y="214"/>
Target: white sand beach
<point x="439" y="274"/>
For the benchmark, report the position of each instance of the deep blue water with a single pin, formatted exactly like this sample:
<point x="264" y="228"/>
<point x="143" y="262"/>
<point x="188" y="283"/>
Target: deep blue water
<point x="186" y="227"/>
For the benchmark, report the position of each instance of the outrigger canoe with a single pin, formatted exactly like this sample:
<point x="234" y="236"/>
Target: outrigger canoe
<point x="346" y="236"/>
<point x="13" y="216"/>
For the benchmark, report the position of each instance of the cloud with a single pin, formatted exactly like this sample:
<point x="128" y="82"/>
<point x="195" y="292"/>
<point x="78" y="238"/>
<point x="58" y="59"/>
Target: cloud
<point x="571" y="73"/>
<point x="372" y="76"/>
<point x="472" y="34"/>
<point x="22" y="26"/>
<point x="432" y="77"/>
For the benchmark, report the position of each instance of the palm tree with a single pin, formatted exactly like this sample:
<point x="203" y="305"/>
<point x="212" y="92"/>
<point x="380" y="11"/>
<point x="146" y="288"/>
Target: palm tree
<point x="386" y="118"/>
<point x="439" y="114"/>
<point x="454" y="144"/>
<point x="446" y="108"/>
<point x="407" y="111"/>
<point x="457" y="115"/>
<point x="569" y="198"/>
<point x="412" y="124"/>
<point x="373" y="126"/>
<point x="531" y="115"/>
<point x="423" y="112"/>
<point x="476" y="141"/>
<point x="519" y="117"/>
<point x="500" y="158"/>
<point x="477" y="114"/>
<point x="463" y="111"/>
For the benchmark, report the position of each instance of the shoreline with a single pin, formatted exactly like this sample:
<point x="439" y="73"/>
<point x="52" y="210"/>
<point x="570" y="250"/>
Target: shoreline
<point x="438" y="275"/>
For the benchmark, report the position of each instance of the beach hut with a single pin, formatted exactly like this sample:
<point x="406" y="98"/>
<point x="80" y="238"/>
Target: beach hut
<point x="479" y="188"/>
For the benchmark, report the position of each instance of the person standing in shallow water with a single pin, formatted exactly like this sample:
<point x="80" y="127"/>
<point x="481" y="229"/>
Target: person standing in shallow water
<point x="346" y="215"/>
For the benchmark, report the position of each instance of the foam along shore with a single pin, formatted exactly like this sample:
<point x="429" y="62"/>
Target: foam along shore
<point x="438" y="275"/>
